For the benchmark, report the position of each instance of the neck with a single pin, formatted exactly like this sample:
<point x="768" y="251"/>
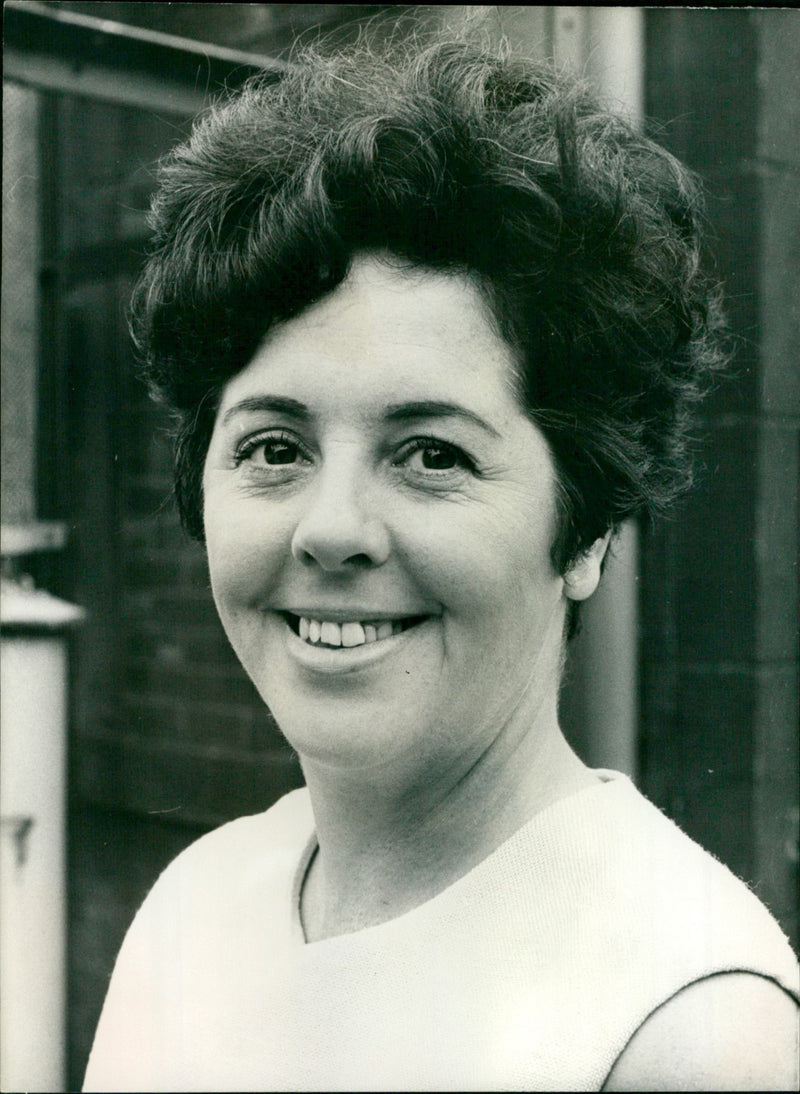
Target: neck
<point x="385" y="849"/>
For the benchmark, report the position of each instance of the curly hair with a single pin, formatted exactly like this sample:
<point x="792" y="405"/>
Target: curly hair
<point x="582" y="233"/>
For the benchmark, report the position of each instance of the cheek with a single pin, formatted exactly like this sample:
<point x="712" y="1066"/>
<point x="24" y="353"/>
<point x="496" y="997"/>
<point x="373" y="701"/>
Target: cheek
<point x="245" y="549"/>
<point x="484" y="562"/>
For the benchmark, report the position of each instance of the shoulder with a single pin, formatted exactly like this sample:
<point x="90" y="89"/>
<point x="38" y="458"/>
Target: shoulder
<point x="243" y="848"/>
<point x="677" y="893"/>
<point x="674" y="942"/>
<point x="211" y="886"/>
<point x="228" y="884"/>
<point x="641" y="890"/>
<point x="290" y="819"/>
<point x="731" y="1031"/>
<point x="199" y="934"/>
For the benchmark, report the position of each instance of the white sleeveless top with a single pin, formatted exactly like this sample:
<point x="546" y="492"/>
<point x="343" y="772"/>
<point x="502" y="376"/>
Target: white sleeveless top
<point x="531" y="972"/>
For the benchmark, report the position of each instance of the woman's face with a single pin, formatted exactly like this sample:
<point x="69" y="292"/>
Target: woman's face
<point x="379" y="513"/>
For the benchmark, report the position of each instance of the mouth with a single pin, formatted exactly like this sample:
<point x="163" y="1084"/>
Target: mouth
<point x="331" y="634"/>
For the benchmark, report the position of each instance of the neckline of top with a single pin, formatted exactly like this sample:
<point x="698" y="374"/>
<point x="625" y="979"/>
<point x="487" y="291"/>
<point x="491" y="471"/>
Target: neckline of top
<point x="606" y="777"/>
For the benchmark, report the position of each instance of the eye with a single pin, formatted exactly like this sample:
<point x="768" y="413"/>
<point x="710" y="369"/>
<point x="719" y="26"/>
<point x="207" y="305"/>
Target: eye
<point x="271" y="450"/>
<point x="435" y="457"/>
<point x="431" y="457"/>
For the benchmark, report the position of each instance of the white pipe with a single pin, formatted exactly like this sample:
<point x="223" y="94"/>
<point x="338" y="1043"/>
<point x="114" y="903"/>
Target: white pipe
<point x="606" y="44"/>
<point x="33" y="732"/>
<point x="615" y="57"/>
<point x="606" y="662"/>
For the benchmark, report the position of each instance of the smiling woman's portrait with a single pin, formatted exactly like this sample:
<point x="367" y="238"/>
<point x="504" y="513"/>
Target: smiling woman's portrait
<point x="379" y="515"/>
<point x="433" y="325"/>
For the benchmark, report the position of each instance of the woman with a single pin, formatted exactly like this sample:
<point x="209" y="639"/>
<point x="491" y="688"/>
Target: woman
<point x="433" y="327"/>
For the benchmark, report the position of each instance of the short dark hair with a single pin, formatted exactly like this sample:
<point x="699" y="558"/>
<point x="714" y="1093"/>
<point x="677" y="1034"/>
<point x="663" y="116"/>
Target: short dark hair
<point x="581" y="231"/>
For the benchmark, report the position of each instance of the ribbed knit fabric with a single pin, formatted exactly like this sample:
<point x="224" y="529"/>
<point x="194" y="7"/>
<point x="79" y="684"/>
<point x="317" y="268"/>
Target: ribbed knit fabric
<point x="531" y="972"/>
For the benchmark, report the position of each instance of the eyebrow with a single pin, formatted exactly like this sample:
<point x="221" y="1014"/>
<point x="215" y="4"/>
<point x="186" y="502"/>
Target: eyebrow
<point x="419" y="410"/>
<point x="416" y="411"/>
<point x="277" y="404"/>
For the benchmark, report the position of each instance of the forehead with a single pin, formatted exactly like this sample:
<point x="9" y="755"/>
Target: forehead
<point x="386" y="334"/>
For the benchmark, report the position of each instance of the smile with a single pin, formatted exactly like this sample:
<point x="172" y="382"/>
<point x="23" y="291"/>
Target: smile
<point x="347" y="635"/>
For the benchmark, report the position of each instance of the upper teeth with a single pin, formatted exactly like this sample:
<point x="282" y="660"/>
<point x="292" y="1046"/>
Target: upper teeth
<point x="345" y="634"/>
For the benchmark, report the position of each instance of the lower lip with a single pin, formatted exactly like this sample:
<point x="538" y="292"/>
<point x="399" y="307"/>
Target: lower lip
<point x="341" y="660"/>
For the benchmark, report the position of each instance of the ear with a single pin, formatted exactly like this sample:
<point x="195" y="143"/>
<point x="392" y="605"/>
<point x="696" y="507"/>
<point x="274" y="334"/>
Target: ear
<point x="583" y="576"/>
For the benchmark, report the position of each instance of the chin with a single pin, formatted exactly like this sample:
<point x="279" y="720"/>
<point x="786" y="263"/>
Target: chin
<point x="353" y="741"/>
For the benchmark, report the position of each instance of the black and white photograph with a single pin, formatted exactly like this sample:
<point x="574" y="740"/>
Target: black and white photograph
<point x="400" y="534"/>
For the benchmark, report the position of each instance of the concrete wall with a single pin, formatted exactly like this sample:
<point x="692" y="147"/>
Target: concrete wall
<point x="720" y="670"/>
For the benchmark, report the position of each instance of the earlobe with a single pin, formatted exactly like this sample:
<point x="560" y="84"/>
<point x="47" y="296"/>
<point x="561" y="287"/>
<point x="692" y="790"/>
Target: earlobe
<point x="583" y="576"/>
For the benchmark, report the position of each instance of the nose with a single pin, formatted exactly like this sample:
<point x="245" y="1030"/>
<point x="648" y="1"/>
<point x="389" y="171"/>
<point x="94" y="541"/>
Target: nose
<point x="339" y="529"/>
